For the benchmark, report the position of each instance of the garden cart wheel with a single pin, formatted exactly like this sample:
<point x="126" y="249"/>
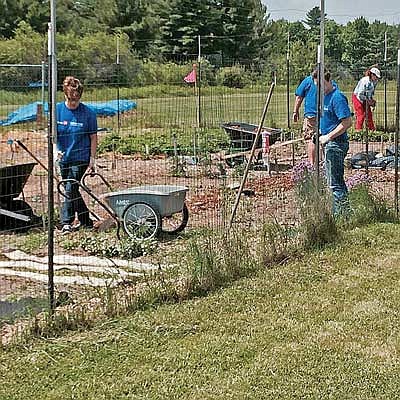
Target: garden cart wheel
<point x="175" y="223"/>
<point x="141" y="221"/>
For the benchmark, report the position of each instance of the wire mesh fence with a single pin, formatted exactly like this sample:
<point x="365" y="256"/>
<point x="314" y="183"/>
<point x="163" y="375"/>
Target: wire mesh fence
<point x="195" y="136"/>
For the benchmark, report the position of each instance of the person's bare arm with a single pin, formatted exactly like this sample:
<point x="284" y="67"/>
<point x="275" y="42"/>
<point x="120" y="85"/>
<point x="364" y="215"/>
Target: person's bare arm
<point x="93" y="150"/>
<point x="297" y="104"/>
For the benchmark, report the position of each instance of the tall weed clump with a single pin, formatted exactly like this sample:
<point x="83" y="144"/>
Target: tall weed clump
<point x="366" y="205"/>
<point x="317" y="223"/>
<point x="216" y="258"/>
<point x="276" y="243"/>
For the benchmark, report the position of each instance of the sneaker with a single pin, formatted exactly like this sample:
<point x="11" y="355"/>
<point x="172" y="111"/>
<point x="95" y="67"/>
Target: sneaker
<point x="76" y="226"/>
<point x="66" y="229"/>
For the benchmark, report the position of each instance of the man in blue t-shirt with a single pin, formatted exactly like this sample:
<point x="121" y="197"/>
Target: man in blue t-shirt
<point x="76" y="145"/>
<point x="335" y="122"/>
<point x="307" y="91"/>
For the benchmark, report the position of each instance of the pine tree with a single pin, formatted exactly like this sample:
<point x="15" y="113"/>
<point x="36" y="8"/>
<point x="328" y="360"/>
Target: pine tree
<point x="356" y="39"/>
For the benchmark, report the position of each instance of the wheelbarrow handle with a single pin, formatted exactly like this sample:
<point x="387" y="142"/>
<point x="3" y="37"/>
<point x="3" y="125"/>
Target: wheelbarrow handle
<point x="23" y="147"/>
<point x="61" y="183"/>
<point x="92" y="175"/>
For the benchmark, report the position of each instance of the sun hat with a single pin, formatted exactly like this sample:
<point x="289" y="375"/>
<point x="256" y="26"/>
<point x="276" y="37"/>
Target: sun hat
<point x="375" y="71"/>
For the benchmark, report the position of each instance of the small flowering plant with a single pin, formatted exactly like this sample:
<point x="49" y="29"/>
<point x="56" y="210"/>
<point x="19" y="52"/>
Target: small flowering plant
<point x="301" y="171"/>
<point x="306" y="186"/>
<point x="357" y="180"/>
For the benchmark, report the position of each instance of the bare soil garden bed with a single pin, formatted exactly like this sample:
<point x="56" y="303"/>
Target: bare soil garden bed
<point x="209" y="197"/>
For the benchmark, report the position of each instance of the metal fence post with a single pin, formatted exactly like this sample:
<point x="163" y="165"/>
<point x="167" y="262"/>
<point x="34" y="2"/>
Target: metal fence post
<point x="396" y="145"/>
<point x="51" y="138"/>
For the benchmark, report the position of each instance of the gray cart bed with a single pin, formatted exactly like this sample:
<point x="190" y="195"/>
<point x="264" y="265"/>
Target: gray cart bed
<point x="147" y="210"/>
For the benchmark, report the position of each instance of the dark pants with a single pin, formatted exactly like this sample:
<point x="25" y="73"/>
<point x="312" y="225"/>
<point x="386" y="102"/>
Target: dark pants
<point x="73" y="203"/>
<point x="335" y="153"/>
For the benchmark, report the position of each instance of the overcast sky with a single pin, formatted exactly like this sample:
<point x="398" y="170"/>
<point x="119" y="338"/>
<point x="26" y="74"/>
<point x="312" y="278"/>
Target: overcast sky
<point x="341" y="11"/>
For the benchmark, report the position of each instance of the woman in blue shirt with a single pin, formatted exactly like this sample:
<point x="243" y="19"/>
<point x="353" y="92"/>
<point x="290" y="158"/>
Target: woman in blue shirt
<point x="76" y="145"/>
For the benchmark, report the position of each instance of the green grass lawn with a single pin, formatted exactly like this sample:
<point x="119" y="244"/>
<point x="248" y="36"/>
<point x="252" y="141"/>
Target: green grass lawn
<point x="326" y="326"/>
<point x="176" y="106"/>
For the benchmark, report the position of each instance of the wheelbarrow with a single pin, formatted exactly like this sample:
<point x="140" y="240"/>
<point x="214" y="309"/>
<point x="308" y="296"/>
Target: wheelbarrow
<point x="15" y="214"/>
<point x="142" y="211"/>
<point x="242" y="136"/>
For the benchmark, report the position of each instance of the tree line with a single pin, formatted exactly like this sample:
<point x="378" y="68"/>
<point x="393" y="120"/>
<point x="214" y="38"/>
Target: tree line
<point x="167" y="31"/>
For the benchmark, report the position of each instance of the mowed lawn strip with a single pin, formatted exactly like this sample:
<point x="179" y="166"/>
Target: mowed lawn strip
<point x="324" y="327"/>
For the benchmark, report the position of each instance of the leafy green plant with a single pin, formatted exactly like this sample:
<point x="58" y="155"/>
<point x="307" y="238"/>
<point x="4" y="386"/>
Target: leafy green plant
<point x="33" y="241"/>
<point x="239" y="168"/>
<point x="127" y="247"/>
<point x="70" y="242"/>
<point x="109" y="143"/>
<point x="160" y="141"/>
<point x="376" y="136"/>
<point x="104" y="245"/>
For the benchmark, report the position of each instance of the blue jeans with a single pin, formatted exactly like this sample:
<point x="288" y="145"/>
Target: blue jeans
<point x="73" y="203"/>
<point x="335" y="153"/>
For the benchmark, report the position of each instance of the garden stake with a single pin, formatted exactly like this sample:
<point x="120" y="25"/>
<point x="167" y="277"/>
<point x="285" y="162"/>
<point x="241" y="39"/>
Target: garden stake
<point x="253" y="149"/>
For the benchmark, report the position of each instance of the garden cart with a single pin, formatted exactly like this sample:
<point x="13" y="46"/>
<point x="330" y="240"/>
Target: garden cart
<point x="142" y="211"/>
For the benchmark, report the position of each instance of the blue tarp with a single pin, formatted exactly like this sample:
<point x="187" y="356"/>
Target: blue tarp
<point x="24" y="114"/>
<point x="37" y="84"/>
<point x="110" y="108"/>
<point x="27" y="113"/>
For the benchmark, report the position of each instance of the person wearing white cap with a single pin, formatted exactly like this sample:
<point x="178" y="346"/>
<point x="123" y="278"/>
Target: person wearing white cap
<point x="363" y="98"/>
